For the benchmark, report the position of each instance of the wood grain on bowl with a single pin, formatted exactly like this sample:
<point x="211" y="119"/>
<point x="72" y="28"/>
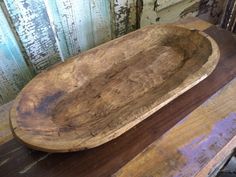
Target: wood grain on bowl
<point x="100" y="94"/>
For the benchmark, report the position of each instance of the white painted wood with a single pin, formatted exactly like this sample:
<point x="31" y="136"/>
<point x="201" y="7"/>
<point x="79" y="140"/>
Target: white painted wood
<point x="32" y="25"/>
<point x="124" y="16"/>
<point x="14" y="73"/>
<point x="79" y="25"/>
<point x="101" y="21"/>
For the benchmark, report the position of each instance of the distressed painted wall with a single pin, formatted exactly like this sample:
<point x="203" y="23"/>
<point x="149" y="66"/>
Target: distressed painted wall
<point x="14" y="73"/>
<point x="45" y="32"/>
<point x="31" y="22"/>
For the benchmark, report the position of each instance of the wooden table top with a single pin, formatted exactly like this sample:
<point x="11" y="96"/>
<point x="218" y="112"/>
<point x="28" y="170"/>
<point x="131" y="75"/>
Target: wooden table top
<point x="117" y="155"/>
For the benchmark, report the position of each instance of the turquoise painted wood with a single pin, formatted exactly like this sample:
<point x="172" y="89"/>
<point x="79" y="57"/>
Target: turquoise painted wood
<point x="14" y="73"/>
<point x="101" y="21"/>
<point x="31" y="22"/>
<point x="79" y="25"/>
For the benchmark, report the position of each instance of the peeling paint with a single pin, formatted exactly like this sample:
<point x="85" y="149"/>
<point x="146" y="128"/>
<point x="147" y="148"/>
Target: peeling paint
<point x="32" y="25"/>
<point x="79" y="25"/>
<point x="156" y="5"/>
<point x="124" y="16"/>
<point x="14" y="73"/>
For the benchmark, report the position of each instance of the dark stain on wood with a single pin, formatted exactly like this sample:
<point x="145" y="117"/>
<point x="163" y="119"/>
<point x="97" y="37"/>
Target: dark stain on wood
<point x="139" y="10"/>
<point x="43" y="106"/>
<point x="156" y="5"/>
<point x="122" y="19"/>
<point x="158" y="19"/>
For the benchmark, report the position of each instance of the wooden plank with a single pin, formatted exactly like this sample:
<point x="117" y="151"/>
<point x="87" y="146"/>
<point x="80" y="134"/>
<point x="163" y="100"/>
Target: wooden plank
<point x="227" y="16"/>
<point x="105" y="160"/>
<point x="101" y="21"/>
<point x="14" y="73"/>
<point x="74" y="25"/>
<point x="79" y="25"/>
<point x="192" y="144"/>
<point x="123" y="16"/>
<point x="32" y="25"/>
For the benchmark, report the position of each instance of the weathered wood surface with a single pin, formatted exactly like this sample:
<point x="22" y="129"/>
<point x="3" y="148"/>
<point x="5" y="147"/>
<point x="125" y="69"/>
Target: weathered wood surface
<point x="79" y="25"/>
<point x="14" y="72"/>
<point x="101" y="94"/>
<point x="124" y="16"/>
<point x="31" y="23"/>
<point x="105" y="160"/>
<point x="196" y="145"/>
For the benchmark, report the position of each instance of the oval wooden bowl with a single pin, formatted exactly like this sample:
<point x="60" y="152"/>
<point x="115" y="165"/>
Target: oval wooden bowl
<point x="100" y="94"/>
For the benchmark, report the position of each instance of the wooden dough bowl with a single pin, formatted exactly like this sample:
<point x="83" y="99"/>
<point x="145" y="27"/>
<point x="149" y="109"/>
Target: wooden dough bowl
<point x="100" y="94"/>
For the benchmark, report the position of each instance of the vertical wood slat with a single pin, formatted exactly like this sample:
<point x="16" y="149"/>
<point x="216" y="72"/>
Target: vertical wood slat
<point x="32" y="25"/>
<point x="124" y="16"/>
<point x="227" y="17"/>
<point x="14" y="73"/>
<point x="101" y="21"/>
<point x="228" y="20"/>
<point x="232" y="17"/>
<point x="79" y="25"/>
